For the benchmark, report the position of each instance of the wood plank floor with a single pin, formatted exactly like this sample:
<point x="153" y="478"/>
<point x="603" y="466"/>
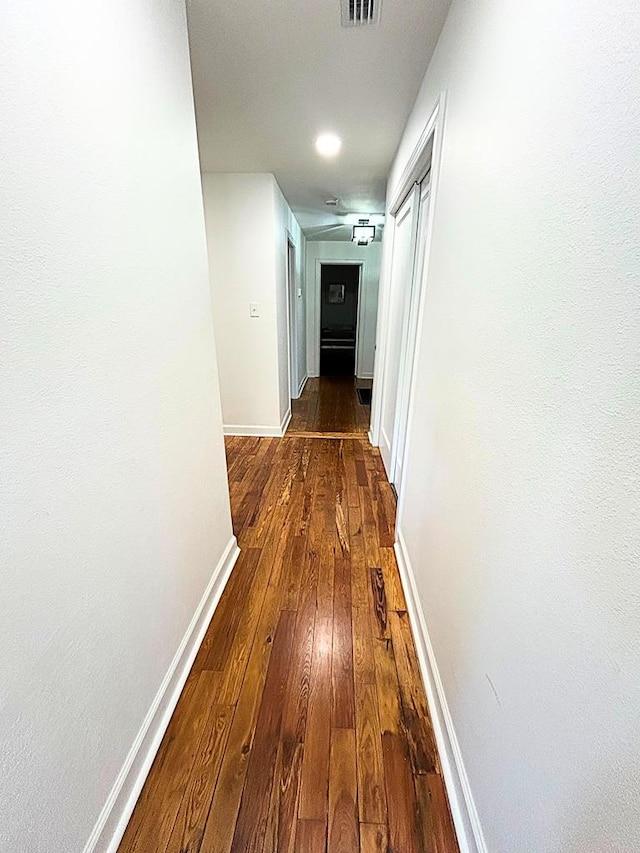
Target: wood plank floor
<point x="303" y="726"/>
<point x="330" y="405"/>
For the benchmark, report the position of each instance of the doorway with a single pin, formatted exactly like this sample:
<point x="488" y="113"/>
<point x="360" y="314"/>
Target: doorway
<point x="406" y="281"/>
<point x="401" y="275"/>
<point x="294" y="379"/>
<point x="408" y="244"/>
<point x="339" y="296"/>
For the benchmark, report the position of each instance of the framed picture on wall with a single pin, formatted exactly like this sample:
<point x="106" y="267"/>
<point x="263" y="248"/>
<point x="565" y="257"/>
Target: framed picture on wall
<point x="336" y="294"/>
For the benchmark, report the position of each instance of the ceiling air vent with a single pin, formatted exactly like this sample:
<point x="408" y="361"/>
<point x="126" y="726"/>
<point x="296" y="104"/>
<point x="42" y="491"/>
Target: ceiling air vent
<point x="357" y="13"/>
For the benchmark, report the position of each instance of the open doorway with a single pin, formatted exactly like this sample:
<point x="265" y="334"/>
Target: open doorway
<point x="339" y="295"/>
<point x="334" y="402"/>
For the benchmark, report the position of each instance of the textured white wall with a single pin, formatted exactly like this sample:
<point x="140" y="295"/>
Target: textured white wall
<point x="113" y="498"/>
<point x="523" y="501"/>
<point x="335" y="252"/>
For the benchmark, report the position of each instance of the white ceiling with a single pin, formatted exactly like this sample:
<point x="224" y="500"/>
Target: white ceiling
<point x="270" y="76"/>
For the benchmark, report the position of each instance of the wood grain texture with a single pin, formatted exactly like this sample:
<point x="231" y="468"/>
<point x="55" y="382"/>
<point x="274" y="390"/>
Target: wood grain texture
<point x="415" y="714"/>
<point x="329" y="404"/>
<point x="434" y="812"/>
<point x="389" y="702"/>
<point x="254" y="807"/>
<point x="392" y="585"/>
<point x="344" y="833"/>
<point x="372" y="798"/>
<point x="363" y="661"/>
<point x="311" y="836"/>
<point x="342" y="681"/>
<point x="315" y="769"/>
<point x="374" y="838"/>
<point x="296" y="701"/>
<point x="196" y="801"/>
<point x="281" y="823"/>
<point x="151" y="825"/>
<point x="379" y="603"/>
<point x="404" y="829"/>
<point x="303" y="725"/>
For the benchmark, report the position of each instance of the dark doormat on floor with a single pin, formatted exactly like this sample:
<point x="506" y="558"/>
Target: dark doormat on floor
<point x="364" y="395"/>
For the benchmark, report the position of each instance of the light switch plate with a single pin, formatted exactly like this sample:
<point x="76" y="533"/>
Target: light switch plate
<point x="254" y="309"/>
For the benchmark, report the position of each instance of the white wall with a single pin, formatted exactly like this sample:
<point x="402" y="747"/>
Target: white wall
<point x="247" y="225"/>
<point x="337" y="252"/>
<point x="521" y="518"/>
<point x="241" y="242"/>
<point x="113" y="500"/>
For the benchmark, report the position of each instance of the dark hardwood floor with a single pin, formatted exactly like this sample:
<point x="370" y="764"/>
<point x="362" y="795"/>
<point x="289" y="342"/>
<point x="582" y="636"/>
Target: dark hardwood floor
<point x="303" y="725"/>
<point x="329" y="405"/>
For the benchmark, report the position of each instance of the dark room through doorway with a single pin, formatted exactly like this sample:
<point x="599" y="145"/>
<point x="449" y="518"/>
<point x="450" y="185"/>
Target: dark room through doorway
<point x="339" y="292"/>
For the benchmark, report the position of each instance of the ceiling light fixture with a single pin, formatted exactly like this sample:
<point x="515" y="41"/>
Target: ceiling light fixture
<point x="328" y="144"/>
<point x="363" y="233"/>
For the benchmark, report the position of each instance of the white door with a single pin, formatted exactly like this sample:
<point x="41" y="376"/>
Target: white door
<point x="408" y="342"/>
<point x="404" y="239"/>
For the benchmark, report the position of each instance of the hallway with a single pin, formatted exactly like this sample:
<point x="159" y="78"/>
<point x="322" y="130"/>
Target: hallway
<point x="330" y="405"/>
<point x="303" y="725"/>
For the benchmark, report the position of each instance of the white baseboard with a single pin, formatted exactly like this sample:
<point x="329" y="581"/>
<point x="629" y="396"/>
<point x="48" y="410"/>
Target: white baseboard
<point x="114" y="817"/>
<point x="463" y="810"/>
<point x="370" y="436"/>
<point x="259" y="431"/>
<point x="364" y="375"/>
<point x="302" y="386"/>
<point x="385" y="451"/>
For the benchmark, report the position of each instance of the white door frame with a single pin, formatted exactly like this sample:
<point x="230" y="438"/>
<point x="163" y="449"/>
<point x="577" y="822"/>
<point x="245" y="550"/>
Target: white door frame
<point x="409" y="335"/>
<point x="406" y="217"/>
<point x="350" y="262"/>
<point x="426" y="153"/>
<point x="292" y="326"/>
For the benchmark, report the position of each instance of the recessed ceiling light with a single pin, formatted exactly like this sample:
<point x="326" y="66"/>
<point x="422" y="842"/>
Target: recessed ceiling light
<point x="328" y="144"/>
